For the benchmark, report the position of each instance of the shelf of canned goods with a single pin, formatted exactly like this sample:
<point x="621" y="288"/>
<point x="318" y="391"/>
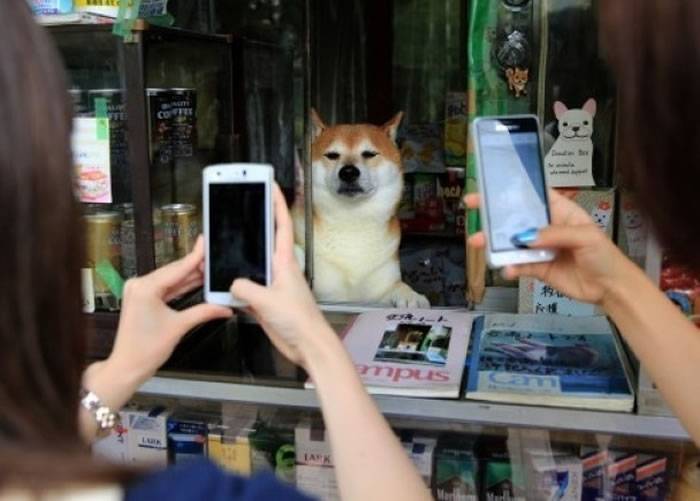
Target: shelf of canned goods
<point x="435" y="410"/>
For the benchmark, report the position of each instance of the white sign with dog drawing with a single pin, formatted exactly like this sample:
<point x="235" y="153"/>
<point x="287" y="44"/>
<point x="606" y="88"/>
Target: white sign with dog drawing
<point x="570" y="161"/>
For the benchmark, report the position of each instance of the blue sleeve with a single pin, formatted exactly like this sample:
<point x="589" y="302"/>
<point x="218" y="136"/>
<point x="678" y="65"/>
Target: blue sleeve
<point x="206" y="481"/>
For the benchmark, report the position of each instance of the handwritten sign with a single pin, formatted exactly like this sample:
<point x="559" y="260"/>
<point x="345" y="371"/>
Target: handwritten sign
<point x="569" y="162"/>
<point x="546" y="299"/>
<point x="91" y="158"/>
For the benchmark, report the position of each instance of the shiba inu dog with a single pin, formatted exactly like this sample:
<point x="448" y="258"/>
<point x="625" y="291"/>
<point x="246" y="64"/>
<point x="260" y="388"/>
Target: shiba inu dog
<point x="357" y="181"/>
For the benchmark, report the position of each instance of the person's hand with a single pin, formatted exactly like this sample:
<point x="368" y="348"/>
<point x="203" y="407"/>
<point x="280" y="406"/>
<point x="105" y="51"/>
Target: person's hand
<point x="149" y="329"/>
<point x="286" y="310"/>
<point x="587" y="262"/>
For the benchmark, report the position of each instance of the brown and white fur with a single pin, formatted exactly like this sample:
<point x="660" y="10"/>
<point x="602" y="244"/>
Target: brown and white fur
<point x="357" y="181"/>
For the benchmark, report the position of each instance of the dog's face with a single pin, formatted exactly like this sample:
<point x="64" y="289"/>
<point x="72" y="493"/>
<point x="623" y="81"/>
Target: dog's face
<point x="356" y="162"/>
<point x="575" y="124"/>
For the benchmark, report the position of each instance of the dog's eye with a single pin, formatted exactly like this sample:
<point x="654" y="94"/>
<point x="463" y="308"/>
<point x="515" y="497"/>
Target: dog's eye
<point x="565" y="124"/>
<point x="332" y="155"/>
<point x="369" y="154"/>
<point x="585" y="122"/>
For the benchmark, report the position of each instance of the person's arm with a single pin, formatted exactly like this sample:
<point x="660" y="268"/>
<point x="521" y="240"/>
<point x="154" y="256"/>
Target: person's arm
<point x="666" y="342"/>
<point x="589" y="267"/>
<point x="369" y="460"/>
<point x="147" y="334"/>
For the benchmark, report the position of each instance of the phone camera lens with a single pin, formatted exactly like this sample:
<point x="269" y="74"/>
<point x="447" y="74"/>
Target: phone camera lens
<point x="245" y="172"/>
<point x="218" y="173"/>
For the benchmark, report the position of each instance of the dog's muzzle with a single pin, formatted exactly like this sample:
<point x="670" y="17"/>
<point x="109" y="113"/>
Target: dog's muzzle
<point x="348" y="175"/>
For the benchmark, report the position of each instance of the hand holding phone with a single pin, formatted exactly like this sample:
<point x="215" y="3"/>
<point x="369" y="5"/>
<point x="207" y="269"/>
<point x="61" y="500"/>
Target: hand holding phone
<point x="238" y="228"/>
<point x="511" y="177"/>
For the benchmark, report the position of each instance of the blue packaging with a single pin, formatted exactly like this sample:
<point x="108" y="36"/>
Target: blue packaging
<point x="51" y="7"/>
<point x="187" y="438"/>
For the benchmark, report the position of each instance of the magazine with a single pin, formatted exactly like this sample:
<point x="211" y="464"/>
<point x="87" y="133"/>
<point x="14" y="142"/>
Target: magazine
<point x="418" y="353"/>
<point x="549" y="360"/>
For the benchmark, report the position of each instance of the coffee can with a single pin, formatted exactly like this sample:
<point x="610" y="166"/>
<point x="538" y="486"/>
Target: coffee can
<point x="103" y="239"/>
<point x="180" y="230"/>
<point x="160" y="125"/>
<point x="184" y="113"/>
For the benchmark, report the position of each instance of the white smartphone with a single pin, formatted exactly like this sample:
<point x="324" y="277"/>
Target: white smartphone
<point x="238" y="228"/>
<point x="514" y="201"/>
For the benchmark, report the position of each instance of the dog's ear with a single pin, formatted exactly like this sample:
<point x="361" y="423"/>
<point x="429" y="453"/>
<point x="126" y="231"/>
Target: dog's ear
<point x="392" y="126"/>
<point x="317" y="125"/>
<point x="590" y="107"/>
<point x="559" y="109"/>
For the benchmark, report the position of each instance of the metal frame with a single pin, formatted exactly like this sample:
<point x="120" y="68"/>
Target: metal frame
<point x="448" y="411"/>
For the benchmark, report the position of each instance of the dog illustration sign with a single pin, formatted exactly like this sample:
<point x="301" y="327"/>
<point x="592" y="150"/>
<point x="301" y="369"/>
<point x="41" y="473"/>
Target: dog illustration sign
<point x="570" y="161"/>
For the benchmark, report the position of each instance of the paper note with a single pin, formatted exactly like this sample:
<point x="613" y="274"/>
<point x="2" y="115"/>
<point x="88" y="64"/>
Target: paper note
<point x="546" y="299"/>
<point x="91" y="157"/>
<point x="569" y="162"/>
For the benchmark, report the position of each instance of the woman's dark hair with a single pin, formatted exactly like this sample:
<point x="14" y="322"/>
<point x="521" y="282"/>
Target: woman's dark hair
<point x="653" y="47"/>
<point x="42" y="332"/>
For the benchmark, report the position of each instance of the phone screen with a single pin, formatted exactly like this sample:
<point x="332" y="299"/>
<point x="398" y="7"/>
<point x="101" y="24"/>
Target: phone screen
<point x="514" y="182"/>
<point x="236" y="234"/>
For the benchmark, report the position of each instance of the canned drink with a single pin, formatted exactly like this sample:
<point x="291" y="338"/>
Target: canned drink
<point x="160" y="125"/>
<point x="184" y="113"/>
<point x="128" y="240"/>
<point x="103" y="237"/>
<point x="118" y="153"/>
<point x="180" y="230"/>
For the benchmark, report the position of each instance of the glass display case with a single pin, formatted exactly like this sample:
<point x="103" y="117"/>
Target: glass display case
<point x="166" y="96"/>
<point x="177" y="100"/>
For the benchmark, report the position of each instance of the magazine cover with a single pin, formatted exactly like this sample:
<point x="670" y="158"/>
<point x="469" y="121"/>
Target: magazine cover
<point x="416" y="353"/>
<point x="549" y="360"/>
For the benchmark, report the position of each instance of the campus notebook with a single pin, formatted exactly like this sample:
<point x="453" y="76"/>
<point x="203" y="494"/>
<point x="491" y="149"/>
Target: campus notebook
<point x="549" y="360"/>
<point x="418" y="353"/>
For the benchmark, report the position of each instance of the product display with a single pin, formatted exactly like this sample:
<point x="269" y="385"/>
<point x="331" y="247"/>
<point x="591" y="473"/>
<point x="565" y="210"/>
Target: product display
<point x="549" y="360"/>
<point x="417" y="353"/>
<point x="469" y="418"/>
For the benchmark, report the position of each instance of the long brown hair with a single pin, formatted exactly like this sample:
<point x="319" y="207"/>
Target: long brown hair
<point x="42" y="332"/>
<point x="653" y="47"/>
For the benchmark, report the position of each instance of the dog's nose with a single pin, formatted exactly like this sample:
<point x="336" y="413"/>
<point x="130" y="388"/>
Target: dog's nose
<point x="349" y="173"/>
<point x="575" y="128"/>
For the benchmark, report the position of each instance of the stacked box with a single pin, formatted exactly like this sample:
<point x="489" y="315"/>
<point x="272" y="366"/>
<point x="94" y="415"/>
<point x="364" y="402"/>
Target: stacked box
<point x="315" y="471"/>
<point x="272" y="449"/>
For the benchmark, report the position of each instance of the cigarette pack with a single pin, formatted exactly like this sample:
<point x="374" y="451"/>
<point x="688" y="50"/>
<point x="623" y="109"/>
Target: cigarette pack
<point x="148" y="436"/>
<point x="595" y="463"/>
<point x="114" y="447"/>
<point x="652" y="478"/>
<point x="553" y="475"/>
<point x="421" y="450"/>
<point x="315" y="471"/>
<point x="187" y="437"/>
<point x="229" y="450"/>
<point x="455" y="472"/>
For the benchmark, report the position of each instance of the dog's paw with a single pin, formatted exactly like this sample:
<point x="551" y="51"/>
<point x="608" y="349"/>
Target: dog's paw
<point x="402" y="296"/>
